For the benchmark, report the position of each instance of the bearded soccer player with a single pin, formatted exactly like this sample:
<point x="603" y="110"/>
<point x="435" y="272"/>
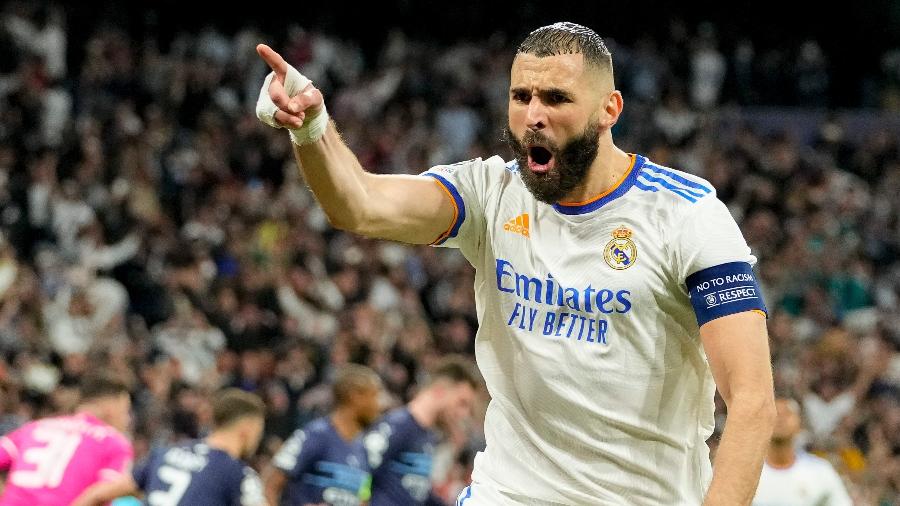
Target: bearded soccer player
<point x="613" y="294"/>
<point x="53" y="460"/>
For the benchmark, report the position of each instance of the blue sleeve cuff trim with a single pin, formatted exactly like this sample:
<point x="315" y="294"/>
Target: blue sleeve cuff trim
<point x="460" y="207"/>
<point x="723" y="290"/>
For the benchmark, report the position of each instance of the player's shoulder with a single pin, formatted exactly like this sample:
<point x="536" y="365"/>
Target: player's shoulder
<point x="668" y="185"/>
<point x="318" y="426"/>
<point x="121" y="440"/>
<point x="225" y="464"/>
<point x="116" y="441"/>
<point x="491" y="170"/>
<point x="200" y="448"/>
<point x="25" y="428"/>
<point x="392" y="423"/>
<point x="122" y="446"/>
<point x="397" y="416"/>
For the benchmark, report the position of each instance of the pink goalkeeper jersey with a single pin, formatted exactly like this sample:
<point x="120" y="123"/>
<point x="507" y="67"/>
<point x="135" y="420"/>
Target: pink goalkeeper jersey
<point x="53" y="460"/>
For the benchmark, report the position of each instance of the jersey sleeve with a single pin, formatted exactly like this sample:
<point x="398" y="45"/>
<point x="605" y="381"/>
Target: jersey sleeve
<point x="297" y="455"/>
<point x="713" y="262"/>
<point x="467" y="185"/>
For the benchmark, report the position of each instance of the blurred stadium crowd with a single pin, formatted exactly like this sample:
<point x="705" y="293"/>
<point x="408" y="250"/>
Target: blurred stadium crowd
<point x="151" y="227"/>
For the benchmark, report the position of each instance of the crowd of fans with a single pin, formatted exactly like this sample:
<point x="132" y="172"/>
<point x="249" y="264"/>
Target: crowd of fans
<point x="151" y="227"/>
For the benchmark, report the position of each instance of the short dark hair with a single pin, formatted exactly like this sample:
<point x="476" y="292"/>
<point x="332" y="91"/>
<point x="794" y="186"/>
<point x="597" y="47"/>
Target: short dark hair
<point x="352" y="378"/>
<point x="567" y="38"/>
<point x="101" y="386"/>
<point x="455" y="369"/>
<point x="232" y="404"/>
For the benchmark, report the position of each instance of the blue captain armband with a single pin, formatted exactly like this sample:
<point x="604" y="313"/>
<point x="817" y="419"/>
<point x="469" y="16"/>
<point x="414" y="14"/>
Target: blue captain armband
<point x="723" y="290"/>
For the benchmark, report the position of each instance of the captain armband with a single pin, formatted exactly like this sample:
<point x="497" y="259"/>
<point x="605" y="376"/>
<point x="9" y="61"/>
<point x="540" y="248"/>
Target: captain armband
<point x="723" y="290"/>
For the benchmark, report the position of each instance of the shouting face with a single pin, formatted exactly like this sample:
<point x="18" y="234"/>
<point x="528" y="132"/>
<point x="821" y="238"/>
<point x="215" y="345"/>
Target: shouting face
<point x="558" y="109"/>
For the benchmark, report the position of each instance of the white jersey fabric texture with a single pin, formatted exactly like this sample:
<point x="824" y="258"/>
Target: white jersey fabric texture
<point x="601" y="393"/>
<point x="810" y="481"/>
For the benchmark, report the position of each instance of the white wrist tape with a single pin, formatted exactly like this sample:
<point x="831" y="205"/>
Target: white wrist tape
<point x="314" y="123"/>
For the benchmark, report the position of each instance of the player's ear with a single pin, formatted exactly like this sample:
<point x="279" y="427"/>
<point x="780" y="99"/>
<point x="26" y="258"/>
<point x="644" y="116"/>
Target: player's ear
<point x="612" y="108"/>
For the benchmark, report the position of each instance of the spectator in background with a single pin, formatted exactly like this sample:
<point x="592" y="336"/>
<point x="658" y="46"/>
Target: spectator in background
<point x="707" y="69"/>
<point x="792" y="478"/>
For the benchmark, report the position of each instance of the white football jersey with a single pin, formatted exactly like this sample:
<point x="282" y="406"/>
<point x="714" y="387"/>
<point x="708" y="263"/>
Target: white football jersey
<point x="810" y="481"/>
<point x="588" y="342"/>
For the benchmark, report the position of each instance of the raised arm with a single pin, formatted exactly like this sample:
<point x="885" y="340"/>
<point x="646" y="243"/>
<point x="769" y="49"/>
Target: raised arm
<point x="410" y="209"/>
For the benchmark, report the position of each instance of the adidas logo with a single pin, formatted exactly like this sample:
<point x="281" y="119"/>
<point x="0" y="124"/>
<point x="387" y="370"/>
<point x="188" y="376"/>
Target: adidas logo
<point x="518" y="225"/>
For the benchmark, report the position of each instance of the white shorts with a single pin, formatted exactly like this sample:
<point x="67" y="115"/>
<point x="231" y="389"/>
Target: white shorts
<point x="483" y="494"/>
<point x="479" y="494"/>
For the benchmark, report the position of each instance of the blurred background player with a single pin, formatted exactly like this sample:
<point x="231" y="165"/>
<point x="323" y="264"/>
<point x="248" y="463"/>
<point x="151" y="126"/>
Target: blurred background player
<point x="53" y="460"/>
<point x="210" y="472"/>
<point x="796" y="478"/>
<point x="400" y="447"/>
<point x="324" y="462"/>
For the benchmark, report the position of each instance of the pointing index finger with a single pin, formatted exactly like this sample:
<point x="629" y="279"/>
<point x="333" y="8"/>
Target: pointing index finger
<point x="273" y="59"/>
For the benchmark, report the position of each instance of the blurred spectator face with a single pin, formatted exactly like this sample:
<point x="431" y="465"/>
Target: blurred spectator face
<point x="787" y="420"/>
<point x="367" y="403"/>
<point x="301" y="280"/>
<point x="251" y="365"/>
<point x="348" y="282"/>
<point x="556" y="116"/>
<point x="457" y="401"/>
<point x="227" y="299"/>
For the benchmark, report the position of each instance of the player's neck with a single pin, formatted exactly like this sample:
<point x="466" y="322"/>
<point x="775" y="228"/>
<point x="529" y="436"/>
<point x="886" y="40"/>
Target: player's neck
<point x="91" y="410"/>
<point x="225" y="441"/>
<point x="346" y="423"/>
<point x="781" y="456"/>
<point x="606" y="172"/>
<point x="422" y="410"/>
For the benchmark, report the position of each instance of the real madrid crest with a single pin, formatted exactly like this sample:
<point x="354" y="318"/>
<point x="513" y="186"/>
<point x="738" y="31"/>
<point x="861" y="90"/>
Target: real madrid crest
<point x="620" y="253"/>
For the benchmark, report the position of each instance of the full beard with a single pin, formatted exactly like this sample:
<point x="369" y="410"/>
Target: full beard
<point x="571" y="162"/>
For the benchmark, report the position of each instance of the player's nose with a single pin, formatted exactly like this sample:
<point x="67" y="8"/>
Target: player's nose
<point x="536" y="115"/>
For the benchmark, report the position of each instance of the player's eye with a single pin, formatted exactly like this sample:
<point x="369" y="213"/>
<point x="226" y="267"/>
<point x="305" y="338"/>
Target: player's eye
<point x="557" y="98"/>
<point x="521" y="96"/>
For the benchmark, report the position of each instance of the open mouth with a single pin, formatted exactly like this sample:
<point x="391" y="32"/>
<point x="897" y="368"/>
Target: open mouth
<point x="540" y="159"/>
